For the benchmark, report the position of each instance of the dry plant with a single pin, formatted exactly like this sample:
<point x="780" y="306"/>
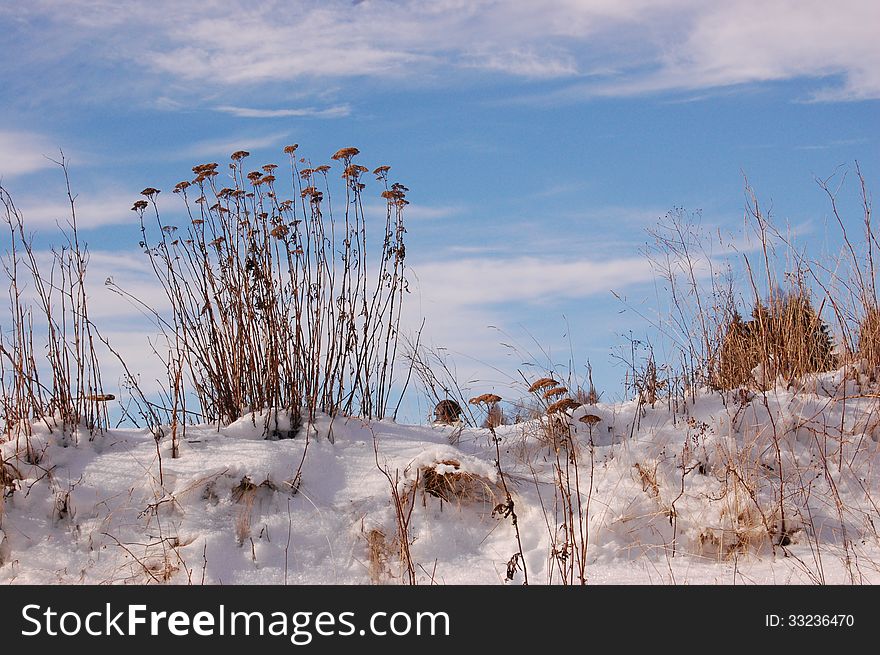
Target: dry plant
<point x="279" y="305"/>
<point x="59" y="383"/>
<point x="869" y="339"/>
<point x="786" y="339"/>
<point x="403" y="500"/>
<point x="244" y="494"/>
<point x="378" y="551"/>
<point x="448" y="482"/>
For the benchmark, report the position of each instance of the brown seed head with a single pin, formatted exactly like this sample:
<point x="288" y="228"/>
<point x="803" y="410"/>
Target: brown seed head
<point x="238" y="155"/>
<point x="590" y="419"/>
<point x="345" y="153"/>
<point x="486" y="398"/>
<point x="353" y="170"/>
<point x="562" y="406"/>
<point x="556" y="391"/>
<point x="542" y="383"/>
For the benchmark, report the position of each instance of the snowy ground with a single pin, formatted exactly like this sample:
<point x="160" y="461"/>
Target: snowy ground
<point x="691" y="497"/>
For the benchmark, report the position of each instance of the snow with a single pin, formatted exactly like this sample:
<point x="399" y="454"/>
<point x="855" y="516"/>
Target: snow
<point x="675" y="497"/>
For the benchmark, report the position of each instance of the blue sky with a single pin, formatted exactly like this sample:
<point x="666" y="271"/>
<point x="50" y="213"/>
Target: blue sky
<point x="539" y="139"/>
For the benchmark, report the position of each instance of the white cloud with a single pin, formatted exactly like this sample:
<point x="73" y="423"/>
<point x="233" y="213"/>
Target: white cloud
<point x="604" y="46"/>
<point x="227" y="145"/>
<point x="492" y="281"/>
<point x="525" y="63"/>
<point x="92" y="210"/>
<point x="338" y="111"/>
<point x="25" y="152"/>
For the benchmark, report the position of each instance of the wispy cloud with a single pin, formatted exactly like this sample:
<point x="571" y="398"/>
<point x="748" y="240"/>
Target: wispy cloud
<point x="25" y="152"/>
<point x="488" y="281"/>
<point x="836" y="143"/>
<point x="525" y="63"/>
<point x="227" y="145"/>
<point x="92" y="210"/>
<point x="338" y="111"/>
<point x="590" y="47"/>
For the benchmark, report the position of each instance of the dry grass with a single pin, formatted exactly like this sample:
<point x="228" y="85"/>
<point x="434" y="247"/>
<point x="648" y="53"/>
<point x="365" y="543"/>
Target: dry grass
<point x="379" y="551"/>
<point x="869" y="339"/>
<point x="447" y="412"/>
<point x="244" y="494"/>
<point x="786" y="338"/>
<point x="445" y="480"/>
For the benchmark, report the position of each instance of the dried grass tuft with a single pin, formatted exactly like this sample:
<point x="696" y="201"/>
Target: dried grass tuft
<point x="457" y="486"/>
<point x="869" y="337"/>
<point x="379" y="551"/>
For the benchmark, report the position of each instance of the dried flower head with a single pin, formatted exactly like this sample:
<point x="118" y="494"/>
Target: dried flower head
<point x="323" y="168"/>
<point x="590" y="419"/>
<point x="556" y="391"/>
<point x="280" y="231"/>
<point x="353" y="170"/>
<point x="269" y="167"/>
<point x="149" y="192"/>
<point x="253" y="176"/>
<point x="486" y="398"/>
<point x="381" y="171"/>
<point x="562" y="406"/>
<point x="238" y="155"/>
<point x="542" y="383"/>
<point x="345" y="153"/>
<point x="204" y="168"/>
<point x="181" y="186"/>
<point x="291" y="148"/>
<point x="393" y="195"/>
<point x="139" y="205"/>
<point x="306" y="173"/>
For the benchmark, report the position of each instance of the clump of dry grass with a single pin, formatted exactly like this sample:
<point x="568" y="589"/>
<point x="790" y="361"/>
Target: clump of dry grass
<point x="447" y="412"/>
<point x="786" y="337"/>
<point x="9" y="474"/>
<point x="648" y="478"/>
<point x="379" y="551"/>
<point x="445" y="480"/>
<point x="244" y="494"/>
<point x="869" y="338"/>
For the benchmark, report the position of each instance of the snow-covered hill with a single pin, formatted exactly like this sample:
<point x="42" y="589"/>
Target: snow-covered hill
<point x="739" y="488"/>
